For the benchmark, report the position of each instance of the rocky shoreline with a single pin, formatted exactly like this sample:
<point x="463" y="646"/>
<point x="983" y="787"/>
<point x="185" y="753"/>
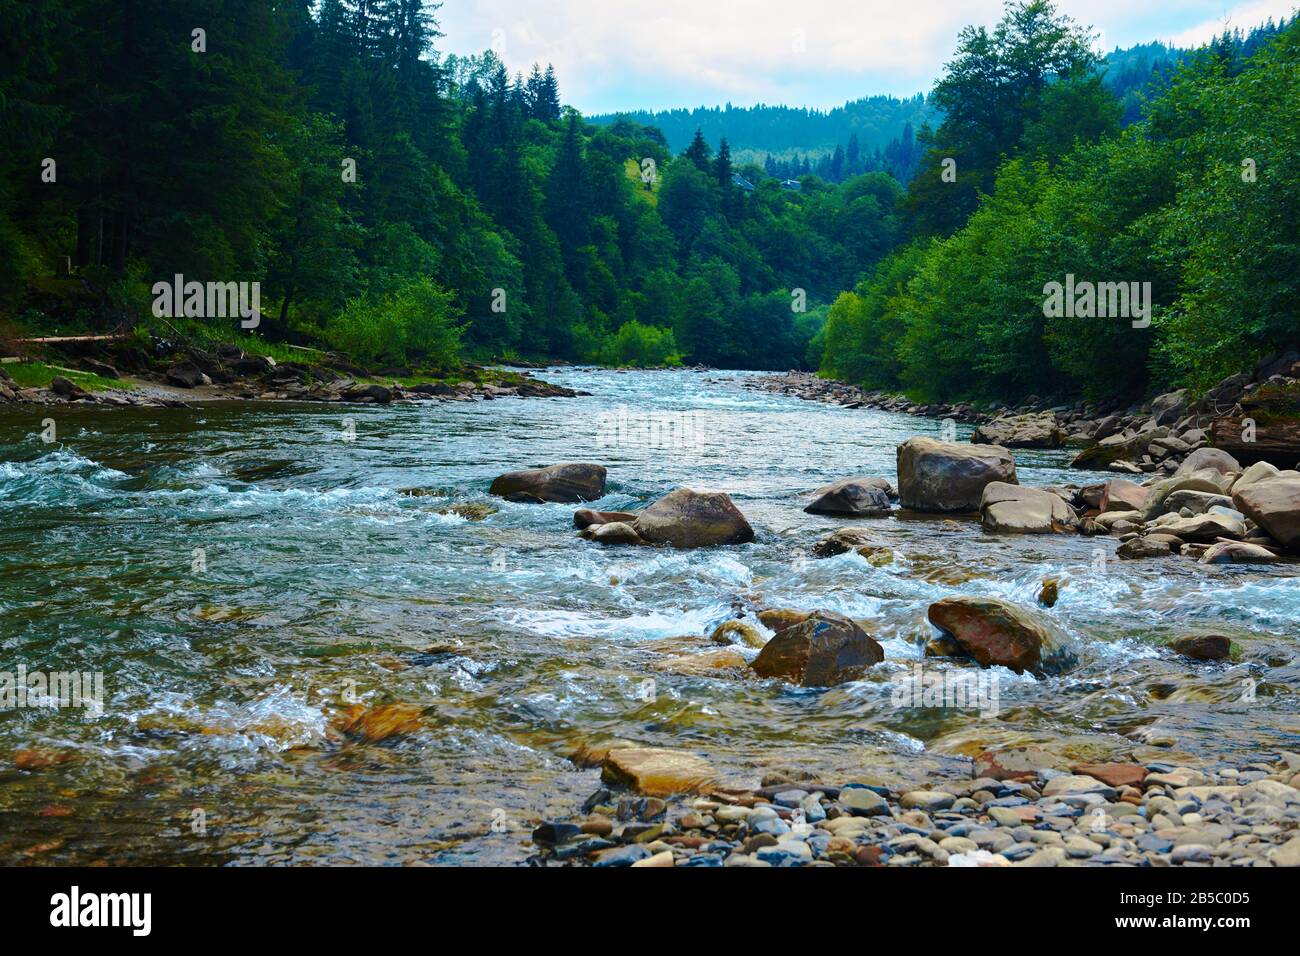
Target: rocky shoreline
<point x="1020" y="807"/>
<point x="1253" y="415"/>
<point x="173" y="376"/>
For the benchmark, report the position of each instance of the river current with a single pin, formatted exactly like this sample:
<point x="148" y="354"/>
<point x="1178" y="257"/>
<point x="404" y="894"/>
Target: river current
<point x="236" y="573"/>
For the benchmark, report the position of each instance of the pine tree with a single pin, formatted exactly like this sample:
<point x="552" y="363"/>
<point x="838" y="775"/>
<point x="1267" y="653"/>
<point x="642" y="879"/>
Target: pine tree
<point x="722" y="167"/>
<point x="699" y="152"/>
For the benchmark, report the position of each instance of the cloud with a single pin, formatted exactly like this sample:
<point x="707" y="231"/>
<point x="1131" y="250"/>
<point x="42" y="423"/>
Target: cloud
<point x="1242" y="16"/>
<point x="619" y="54"/>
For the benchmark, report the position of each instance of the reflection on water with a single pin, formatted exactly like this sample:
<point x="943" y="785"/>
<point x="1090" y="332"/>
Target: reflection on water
<point x="240" y="573"/>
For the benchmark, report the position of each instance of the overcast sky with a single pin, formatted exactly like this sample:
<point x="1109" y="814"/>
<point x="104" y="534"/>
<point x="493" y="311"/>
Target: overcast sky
<point x="654" y="54"/>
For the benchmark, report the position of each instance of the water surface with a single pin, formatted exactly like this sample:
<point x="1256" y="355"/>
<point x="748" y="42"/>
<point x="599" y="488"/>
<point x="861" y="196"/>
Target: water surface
<point x="239" y="571"/>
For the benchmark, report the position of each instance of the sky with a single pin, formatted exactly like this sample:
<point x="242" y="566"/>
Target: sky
<point x="613" y="55"/>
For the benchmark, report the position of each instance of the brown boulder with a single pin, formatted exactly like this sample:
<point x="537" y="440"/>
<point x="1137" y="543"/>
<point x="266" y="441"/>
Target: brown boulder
<point x="863" y="497"/>
<point x="657" y="772"/>
<point x="566" y="481"/>
<point x="586" y="517"/>
<point x="1274" y="505"/>
<point x="615" y="532"/>
<point x="1020" y="510"/>
<point x="1203" y="647"/>
<point x="996" y="632"/>
<point x="1119" y="494"/>
<point x="948" y="477"/>
<point x="779" y="618"/>
<point x="693" y="519"/>
<point x="824" y="650"/>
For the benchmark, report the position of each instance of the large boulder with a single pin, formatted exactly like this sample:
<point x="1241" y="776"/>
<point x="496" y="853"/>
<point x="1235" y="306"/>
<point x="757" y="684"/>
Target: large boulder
<point x="567" y="481"/>
<point x="862" y="497"/>
<point x="1274" y="505"/>
<point x="1021" y="510"/>
<point x="1036" y="430"/>
<point x="186" y="375"/>
<point x="1120" y="494"/>
<point x="948" y="477"/>
<point x="1169" y="407"/>
<point x="1259" y="471"/>
<point x="1213" y="458"/>
<point x="824" y="650"/>
<point x="1268" y="427"/>
<point x="693" y="519"/>
<point x="996" y="632"/>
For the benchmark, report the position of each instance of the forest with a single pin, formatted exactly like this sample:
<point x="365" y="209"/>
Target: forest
<point x="394" y="204"/>
<point x="1199" y="197"/>
<point x="409" y="207"/>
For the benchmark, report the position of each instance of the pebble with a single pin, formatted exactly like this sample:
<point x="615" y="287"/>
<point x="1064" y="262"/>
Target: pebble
<point x="1177" y="816"/>
<point x="927" y="800"/>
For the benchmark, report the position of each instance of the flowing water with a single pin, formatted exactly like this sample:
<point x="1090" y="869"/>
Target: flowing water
<point x="237" y="572"/>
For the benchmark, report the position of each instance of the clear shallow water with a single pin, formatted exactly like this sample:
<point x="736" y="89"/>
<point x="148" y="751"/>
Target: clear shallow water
<point x="522" y="641"/>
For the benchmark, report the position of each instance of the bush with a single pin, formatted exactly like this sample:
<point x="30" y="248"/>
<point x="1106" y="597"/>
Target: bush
<point x="417" y="324"/>
<point x="644" y="346"/>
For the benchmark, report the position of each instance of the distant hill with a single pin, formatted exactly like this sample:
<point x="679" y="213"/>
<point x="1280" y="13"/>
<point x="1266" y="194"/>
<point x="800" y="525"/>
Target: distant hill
<point x="756" y="131"/>
<point x="789" y="135"/>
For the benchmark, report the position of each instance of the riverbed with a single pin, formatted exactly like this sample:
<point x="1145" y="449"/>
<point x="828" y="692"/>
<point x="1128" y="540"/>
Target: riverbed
<point x="238" y="572"/>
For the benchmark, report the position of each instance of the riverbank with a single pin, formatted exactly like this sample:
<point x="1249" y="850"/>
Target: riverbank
<point x="125" y="374"/>
<point x="1254" y="416"/>
<point x="1019" y="807"/>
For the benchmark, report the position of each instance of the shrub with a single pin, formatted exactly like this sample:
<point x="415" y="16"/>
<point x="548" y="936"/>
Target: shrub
<point x="417" y="324"/>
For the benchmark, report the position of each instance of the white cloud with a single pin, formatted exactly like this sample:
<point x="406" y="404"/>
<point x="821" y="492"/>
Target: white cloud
<point x="1242" y="15"/>
<point x="622" y="54"/>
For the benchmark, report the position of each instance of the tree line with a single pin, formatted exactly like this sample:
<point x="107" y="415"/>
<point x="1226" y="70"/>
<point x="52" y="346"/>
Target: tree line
<point x="395" y="203"/>
<point x="1032" y="177"/>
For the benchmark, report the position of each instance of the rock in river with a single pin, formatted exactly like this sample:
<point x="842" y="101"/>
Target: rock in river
<point x="1203" y="647"/>
<point x="942" y="476"/>
<point x="995" y="632"/>
<point x="824" y="650"/>
<point x="586" y="517"/>
<point x="863" y="497"/>
<point x="1274" y="505"/>
<point x="693" y="519"/>
<point x="1120" y="494"/>
<point x="658" y="772"/>
<point x="566" y="481"/>
<point x="1020" y="510"/>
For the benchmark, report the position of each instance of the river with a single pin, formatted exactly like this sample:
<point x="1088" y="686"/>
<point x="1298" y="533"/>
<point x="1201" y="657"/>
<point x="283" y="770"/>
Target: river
<point x="236" y="572"/>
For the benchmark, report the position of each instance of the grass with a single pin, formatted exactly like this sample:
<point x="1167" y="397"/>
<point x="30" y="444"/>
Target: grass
<point x="651" y="194"/>
<point x="39" y="375"/>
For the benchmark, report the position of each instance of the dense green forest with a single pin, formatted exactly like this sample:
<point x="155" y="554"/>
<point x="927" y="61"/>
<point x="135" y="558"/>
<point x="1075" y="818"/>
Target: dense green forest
<point x="409" y="207"/>
<point x="394" y="203"/>
<point x="762" y="130"/>
<point x="1200" y="198"/>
